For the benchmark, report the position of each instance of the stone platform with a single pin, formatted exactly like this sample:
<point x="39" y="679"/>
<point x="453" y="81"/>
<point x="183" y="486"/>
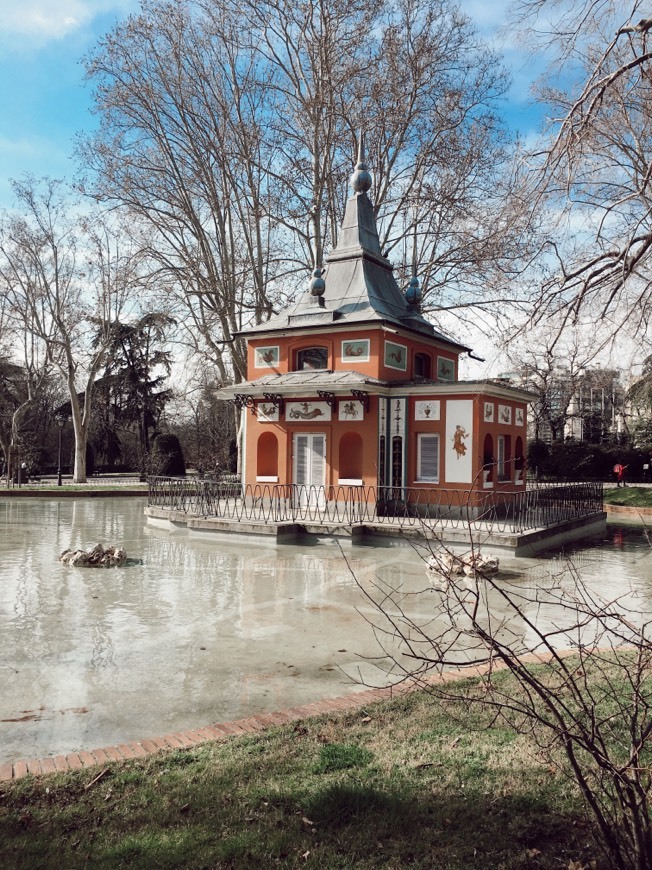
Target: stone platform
<point x="387" y="533"/>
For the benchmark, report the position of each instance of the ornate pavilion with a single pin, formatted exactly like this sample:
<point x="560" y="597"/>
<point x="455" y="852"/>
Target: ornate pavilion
<point x="352" y="386"/>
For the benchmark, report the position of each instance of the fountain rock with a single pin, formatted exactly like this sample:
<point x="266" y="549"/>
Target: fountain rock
<point x="443" y="566"/>
<point x="98" y="557"/>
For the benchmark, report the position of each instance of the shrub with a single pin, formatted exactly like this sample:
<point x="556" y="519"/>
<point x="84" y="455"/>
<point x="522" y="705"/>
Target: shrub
<point x="167" y="457"/>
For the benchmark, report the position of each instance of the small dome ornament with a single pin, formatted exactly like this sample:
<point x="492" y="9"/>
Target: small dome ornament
<point x="317" y="284"/>
<point x="360" y="180"/>
<point x="413" y="293"/>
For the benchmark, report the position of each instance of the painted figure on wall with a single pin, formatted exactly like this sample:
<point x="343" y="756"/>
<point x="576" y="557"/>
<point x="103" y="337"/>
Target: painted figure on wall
<point x="459" y="436"/>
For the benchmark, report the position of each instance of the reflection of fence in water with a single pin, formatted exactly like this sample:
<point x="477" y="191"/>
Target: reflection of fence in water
<point x="539" y="507"/>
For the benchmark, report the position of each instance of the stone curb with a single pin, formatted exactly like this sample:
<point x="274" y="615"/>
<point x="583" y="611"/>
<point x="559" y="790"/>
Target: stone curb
<point x="72" y="493"/>
<point x="222" y="731"/>
<point x="218" y="731"/>
<point x="627" y="511"/>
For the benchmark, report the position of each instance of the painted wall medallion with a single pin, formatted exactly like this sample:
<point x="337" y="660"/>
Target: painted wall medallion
<point x="427" y="410"/>
<point x="350" y="410"/>
<point x="266" y="357"/>
<point x="356" y="351"/>
<point x="488" y="412"/>
<point x="505" y="414"/>
<point x="396" y="356"/>
<point x="307" y="412"/>
<point x="267" y="412"/>
<point x="445" y="369"/>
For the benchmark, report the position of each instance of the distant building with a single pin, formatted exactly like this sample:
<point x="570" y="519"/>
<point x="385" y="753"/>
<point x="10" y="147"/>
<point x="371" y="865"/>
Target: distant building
<point x="588" y="405"/>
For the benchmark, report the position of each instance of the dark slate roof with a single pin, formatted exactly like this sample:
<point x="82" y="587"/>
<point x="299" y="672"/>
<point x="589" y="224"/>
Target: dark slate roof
<point x="360" y="285"/>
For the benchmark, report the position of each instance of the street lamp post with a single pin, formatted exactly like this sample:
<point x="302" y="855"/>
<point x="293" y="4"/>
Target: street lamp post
<point x="60" y="423"/>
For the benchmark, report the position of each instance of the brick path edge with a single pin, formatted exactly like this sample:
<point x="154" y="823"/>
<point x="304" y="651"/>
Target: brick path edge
<point x="222" y="731"/>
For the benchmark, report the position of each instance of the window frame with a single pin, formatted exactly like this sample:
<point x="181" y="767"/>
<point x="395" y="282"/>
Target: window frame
<point x="302" y="350"/>
<point x="421" y="439"/>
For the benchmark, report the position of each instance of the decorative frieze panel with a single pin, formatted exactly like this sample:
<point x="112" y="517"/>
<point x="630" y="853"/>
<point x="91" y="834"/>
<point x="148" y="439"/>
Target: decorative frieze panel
<point x="350" y="410"/>
<point x="429" y="409"/>
<point x="268" y="413"/>
<point x="459" y="441"/>
<point x="396" y="356"/>
<point x="445" y="369"/>
<point x="266" y="357"/>
<point x="307" y="412"/>
<point x="397" y="416"/>
<point x="505" y="415"/>
<point x="355" y="351"/>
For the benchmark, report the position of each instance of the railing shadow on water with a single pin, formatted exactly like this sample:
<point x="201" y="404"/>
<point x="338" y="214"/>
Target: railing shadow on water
<point x="540" y="506"/>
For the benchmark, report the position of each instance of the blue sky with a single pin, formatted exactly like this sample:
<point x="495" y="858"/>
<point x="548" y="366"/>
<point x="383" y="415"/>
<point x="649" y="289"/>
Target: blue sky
<point x="44" y="102"/>
<point x="43" y="99"/>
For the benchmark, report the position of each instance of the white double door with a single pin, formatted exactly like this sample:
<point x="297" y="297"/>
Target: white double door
<point x="309" y="471"/>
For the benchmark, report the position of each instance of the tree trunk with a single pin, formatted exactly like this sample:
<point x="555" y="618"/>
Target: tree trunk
<point x="79" y="475"/>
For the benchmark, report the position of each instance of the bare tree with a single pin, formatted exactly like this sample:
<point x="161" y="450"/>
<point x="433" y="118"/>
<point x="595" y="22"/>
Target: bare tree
<point x="228" y="131"/>
<point x="24" y="374"/>
<point x="553" y="363"/>
<point x="181" y="146"/>
<point x="579" y="667"/>
<point x="593" y="170"/>
<point x="65" y="279"/>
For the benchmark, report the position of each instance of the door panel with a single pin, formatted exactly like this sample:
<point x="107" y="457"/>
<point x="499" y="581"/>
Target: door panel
<point x="310" y="467"/>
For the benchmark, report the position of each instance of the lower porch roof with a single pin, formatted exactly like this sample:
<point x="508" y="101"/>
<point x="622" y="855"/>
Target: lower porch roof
<point x="303" y="383"/>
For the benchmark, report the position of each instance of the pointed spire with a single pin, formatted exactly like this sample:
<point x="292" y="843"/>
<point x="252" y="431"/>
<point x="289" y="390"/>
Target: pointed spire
<point x="360" y="181"/>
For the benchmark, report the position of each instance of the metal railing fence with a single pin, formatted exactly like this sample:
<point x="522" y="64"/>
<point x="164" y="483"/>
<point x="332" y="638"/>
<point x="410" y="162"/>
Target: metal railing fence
<point x="506" y="511"/>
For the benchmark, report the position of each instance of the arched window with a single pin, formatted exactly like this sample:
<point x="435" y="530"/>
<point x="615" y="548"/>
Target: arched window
<point x="422" y="365"/>
<point x="504" y="457"/>
<point x="311" y="358"/>
<point x="488" y="459"/>
<point x="267" y="458"/>
<point x="350" y="464"/>
<point x="519" y="460"/>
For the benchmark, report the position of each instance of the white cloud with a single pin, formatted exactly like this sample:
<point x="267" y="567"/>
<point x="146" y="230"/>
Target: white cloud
<point x="44" y="20"/>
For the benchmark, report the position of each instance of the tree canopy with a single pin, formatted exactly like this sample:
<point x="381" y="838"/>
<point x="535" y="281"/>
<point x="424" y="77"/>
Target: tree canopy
<point x="231" y="146"/>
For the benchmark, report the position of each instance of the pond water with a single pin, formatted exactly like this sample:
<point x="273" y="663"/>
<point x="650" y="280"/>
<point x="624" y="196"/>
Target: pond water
<point x="196" y="630"/>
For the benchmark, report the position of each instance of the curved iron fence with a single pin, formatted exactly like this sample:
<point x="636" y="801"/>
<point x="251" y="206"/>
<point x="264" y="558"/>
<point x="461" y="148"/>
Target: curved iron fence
<point x="505" y="511"/>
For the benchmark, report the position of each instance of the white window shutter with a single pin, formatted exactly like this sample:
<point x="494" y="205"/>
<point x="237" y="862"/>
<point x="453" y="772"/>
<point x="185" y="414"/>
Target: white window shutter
<point x="428" y="457"/>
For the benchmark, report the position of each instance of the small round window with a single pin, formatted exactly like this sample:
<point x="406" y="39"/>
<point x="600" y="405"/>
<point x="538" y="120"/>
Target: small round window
<point x="312" y="358"/>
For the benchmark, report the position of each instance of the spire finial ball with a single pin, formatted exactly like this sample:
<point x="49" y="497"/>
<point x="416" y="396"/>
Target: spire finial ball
<point x="361" y="178"/>
<point x="413" y="291"/>
<point x="317" y="284"/>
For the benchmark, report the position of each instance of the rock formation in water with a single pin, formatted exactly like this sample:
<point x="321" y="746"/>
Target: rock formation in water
<point x="98" y="557"/>
<point x="443" y="566"/>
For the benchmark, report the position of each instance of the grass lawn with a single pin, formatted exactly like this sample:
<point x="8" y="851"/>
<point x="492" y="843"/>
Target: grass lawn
<point x="631" y="496"/>
<point x="410" y="782"/>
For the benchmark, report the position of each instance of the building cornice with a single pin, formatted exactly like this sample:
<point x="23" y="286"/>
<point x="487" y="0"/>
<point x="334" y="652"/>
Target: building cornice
<point x="257" y="390"/>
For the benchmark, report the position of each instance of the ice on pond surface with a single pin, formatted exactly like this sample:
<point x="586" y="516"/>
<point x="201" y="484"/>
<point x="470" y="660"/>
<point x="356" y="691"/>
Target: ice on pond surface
<point x="195" y="630"/>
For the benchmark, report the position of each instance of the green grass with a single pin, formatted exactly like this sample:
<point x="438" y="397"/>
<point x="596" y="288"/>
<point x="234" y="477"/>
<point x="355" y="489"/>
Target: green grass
<point x="409" y="782"/>
<point x="629" y="496"/>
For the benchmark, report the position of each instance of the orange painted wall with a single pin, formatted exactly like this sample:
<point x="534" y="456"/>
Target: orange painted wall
<point x="480" y="429"/>
<point x="288" y="347"/>
<point x="333" y="430"/>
